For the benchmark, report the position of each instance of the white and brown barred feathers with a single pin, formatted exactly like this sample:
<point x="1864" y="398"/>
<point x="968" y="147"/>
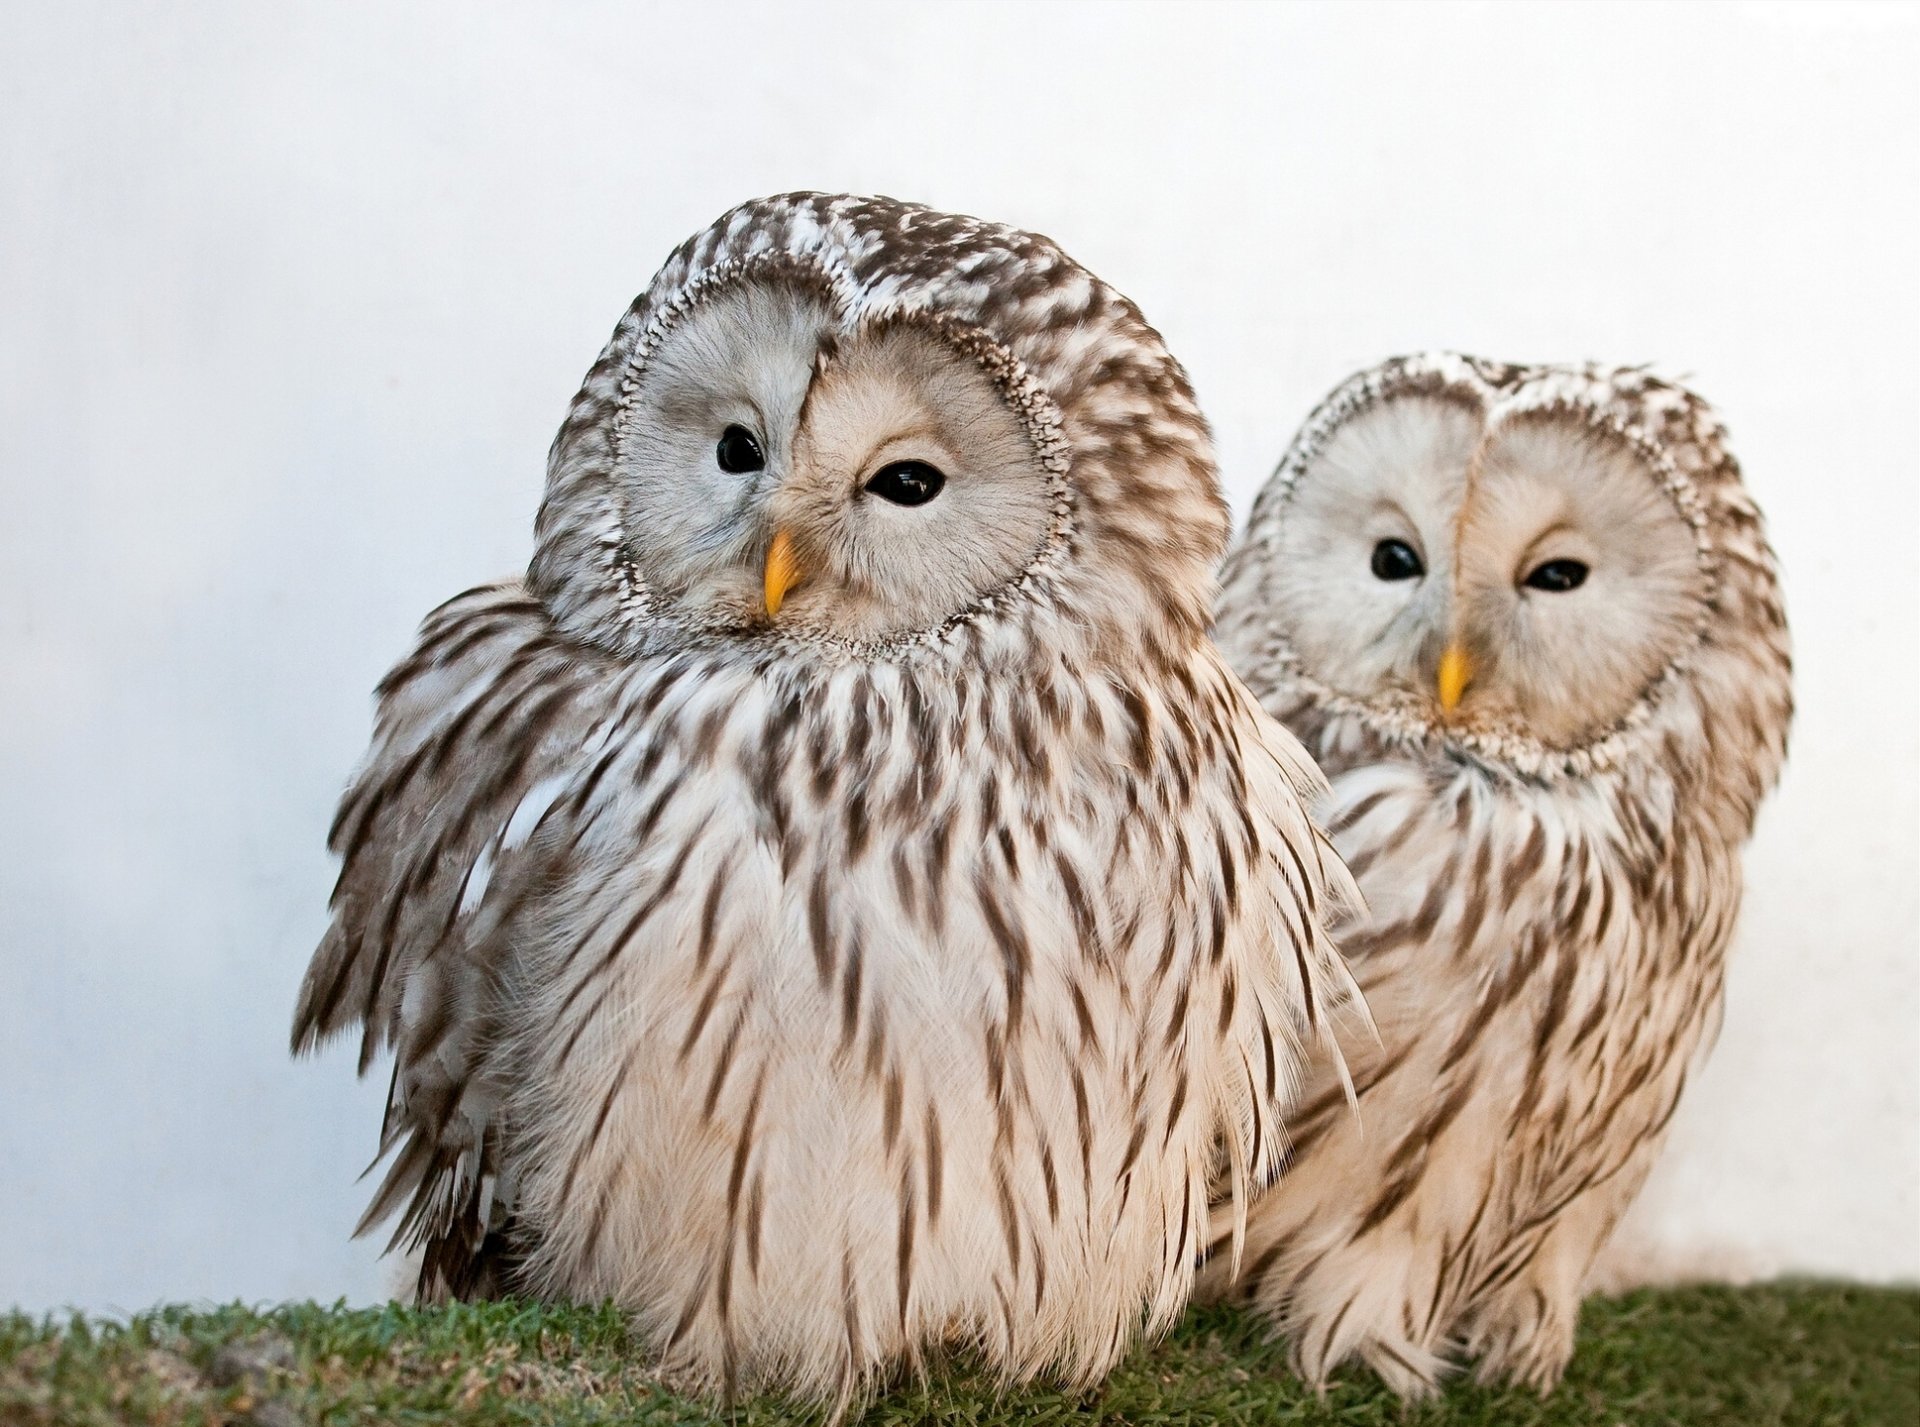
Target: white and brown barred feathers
<point x="1546" y="938"/>
<point x="827" y="1003"/>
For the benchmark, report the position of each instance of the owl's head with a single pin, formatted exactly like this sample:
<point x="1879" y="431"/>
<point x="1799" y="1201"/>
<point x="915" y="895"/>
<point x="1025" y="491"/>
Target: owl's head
<point x="857" y="423"/>
<point x="1518" y="562"/>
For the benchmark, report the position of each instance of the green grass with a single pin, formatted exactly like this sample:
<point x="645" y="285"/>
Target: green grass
<point x="1766" y="1357"/>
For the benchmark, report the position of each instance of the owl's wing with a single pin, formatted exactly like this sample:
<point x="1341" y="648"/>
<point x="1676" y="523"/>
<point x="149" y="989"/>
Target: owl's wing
<point x="1296" y="895"/>
<point x="479" y="738"/>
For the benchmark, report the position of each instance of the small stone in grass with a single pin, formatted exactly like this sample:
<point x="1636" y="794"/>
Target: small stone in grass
<point x="275" y="1412"/>
<point x="252" y="1361"/>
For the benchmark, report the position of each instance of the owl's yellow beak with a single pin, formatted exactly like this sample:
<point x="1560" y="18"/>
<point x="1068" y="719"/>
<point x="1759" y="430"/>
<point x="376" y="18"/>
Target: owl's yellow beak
<point x="1456" y="672"/>
<point x="783" y="571"/>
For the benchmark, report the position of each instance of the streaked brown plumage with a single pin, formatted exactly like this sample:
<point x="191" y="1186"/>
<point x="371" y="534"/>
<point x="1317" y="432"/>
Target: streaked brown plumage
<point x="1552" y="865"/>
<point x="900" y="970"/>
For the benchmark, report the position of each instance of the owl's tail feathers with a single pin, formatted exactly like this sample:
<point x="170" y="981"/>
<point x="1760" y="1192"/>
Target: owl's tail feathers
<point x="453" y="1215"/>
<point x="454" y="1270"/>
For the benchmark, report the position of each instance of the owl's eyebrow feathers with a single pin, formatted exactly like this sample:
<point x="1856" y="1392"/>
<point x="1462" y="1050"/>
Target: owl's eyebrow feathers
<point x="1387" y="505"/>
<point x="1557" y="529"/>
<point x="925" y="431"/>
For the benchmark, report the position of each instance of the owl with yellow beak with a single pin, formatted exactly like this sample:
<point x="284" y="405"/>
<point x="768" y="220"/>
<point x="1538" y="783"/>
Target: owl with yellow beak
<point x="1527" y="619"/>
<point x="839" y="906"/>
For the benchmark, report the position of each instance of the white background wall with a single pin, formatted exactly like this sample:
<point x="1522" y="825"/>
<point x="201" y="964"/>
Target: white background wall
<point x="292" y="299"/>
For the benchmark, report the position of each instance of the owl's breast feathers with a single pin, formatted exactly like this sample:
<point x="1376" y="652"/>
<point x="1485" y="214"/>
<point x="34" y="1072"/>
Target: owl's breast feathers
<point x="1543" y="963"/>
<point x="819" y="1011"/>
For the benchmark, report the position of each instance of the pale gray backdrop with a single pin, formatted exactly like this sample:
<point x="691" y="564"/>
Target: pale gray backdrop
<point x="292" y="298"/>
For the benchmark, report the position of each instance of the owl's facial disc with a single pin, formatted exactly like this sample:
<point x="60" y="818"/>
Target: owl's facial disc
<point x="1577" y="580"/>
<point x="781" y="471"/>
<point x="1535" y="578"/>
<point x="1360" y="576"/>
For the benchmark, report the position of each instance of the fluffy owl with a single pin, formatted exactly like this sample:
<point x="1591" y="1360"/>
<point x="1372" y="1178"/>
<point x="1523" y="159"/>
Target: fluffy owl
<point x="1527" y="619"/>
<point x="840" y="905"/>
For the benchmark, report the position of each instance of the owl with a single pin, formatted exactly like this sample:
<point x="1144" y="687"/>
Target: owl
<point x="840" y="906"/>
<point x="1527" y="619"/>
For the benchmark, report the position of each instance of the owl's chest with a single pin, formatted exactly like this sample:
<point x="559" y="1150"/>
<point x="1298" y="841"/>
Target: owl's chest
<point x="831" y="1014"/>
<point x="910" y="909"/>
<point x="1564" y="958"/>
<point x="1477" y="888"/>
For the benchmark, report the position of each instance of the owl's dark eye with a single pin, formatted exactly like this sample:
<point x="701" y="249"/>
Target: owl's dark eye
<point x="739" y="452"/>
<point x="1395" y="560"/>
<point x="1557" y="576"/>
<point x="907" y="482"/>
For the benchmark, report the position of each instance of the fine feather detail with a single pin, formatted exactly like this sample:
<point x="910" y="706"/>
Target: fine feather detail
<point x="1010" y="1009"/>
<point x="825" y="1002"/>
<point x="1546" y="938"/>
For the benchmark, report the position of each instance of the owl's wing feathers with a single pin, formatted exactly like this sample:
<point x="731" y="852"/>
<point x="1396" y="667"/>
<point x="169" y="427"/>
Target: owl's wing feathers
<point x="1322" y="894"/>
<point x="481" y="730"/>
<point x="1284" y="929"/>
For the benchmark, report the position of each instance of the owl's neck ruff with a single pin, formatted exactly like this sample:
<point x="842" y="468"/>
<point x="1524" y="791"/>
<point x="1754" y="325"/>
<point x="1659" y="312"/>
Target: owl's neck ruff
<point x="1687" y="457"/>
<point x="1110" y="415"/>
